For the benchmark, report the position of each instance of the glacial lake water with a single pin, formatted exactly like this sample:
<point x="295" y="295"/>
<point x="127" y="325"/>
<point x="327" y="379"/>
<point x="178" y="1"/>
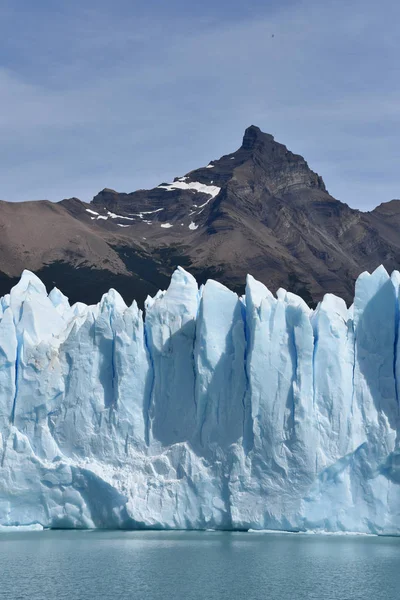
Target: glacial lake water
<point x="105" y="565"/>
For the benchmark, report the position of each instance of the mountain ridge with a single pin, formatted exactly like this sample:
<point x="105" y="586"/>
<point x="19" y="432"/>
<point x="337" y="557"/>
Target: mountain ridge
<point x="259" y="210"/>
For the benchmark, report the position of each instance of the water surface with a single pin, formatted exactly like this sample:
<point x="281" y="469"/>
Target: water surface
<point x="101" y="565"/>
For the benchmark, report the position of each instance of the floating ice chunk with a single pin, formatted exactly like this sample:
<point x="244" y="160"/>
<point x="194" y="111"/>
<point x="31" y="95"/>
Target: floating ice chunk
<point x="166" y="225"/>
<point x="192" y="226"/>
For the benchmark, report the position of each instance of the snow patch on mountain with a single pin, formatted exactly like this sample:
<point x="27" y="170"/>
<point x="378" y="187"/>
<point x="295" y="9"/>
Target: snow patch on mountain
<point x="148" y="212"/>
<point x="210" y="190"/>
<point x="114" y="216"/>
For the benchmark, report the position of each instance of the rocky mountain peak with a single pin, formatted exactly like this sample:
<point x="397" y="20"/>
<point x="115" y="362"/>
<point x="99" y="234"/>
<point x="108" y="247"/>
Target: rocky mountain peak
<point x="255" y="138"/>
<point x="276" y="168"/>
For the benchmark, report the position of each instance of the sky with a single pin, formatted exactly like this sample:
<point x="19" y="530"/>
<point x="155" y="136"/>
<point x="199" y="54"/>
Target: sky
<point x="128" y="94"/>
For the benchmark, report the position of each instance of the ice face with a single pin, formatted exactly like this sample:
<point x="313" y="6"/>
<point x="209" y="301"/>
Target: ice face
<point x="213" y="412"/>
<point x="220" y="374"/>
<point x="170" y="333"/>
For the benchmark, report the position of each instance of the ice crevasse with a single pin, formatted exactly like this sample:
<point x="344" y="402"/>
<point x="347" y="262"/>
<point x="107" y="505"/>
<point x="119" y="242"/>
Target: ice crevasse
<point x="212" y="412"/>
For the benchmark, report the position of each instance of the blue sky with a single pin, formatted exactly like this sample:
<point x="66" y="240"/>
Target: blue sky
<point x="128" y="94"/>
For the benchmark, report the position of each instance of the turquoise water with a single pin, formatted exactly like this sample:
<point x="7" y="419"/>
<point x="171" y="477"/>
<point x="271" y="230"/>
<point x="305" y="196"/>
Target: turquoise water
<point x="86" y="565"/>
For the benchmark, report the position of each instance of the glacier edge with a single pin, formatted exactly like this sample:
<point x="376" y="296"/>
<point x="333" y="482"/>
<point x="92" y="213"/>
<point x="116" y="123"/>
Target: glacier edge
<point x="212" y="412"/>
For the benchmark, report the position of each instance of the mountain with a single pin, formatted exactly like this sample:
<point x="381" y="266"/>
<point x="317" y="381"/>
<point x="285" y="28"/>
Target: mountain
<point x="258" y="210"/>
<point x="212" y="412"/>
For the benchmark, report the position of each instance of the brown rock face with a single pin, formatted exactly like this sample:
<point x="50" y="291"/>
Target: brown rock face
<point x="259" y="210"/>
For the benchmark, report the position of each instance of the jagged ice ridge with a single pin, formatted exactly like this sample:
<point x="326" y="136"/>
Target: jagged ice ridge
<point x="215" y="412"/>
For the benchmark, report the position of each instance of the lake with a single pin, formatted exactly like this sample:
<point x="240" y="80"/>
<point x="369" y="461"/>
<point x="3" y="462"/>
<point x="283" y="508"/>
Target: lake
<point x="107" y="565"/>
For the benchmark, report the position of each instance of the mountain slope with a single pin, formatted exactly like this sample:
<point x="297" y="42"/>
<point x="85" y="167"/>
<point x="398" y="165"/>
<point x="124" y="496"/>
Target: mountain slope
<point x="259" y="210"/>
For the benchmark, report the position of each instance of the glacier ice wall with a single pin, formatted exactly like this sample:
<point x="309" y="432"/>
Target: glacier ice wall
<point x="213" y="412"/>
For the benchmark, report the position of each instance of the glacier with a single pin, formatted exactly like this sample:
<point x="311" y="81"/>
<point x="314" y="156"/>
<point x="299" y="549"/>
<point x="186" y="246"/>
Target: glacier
<point x="212" y="412"/>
